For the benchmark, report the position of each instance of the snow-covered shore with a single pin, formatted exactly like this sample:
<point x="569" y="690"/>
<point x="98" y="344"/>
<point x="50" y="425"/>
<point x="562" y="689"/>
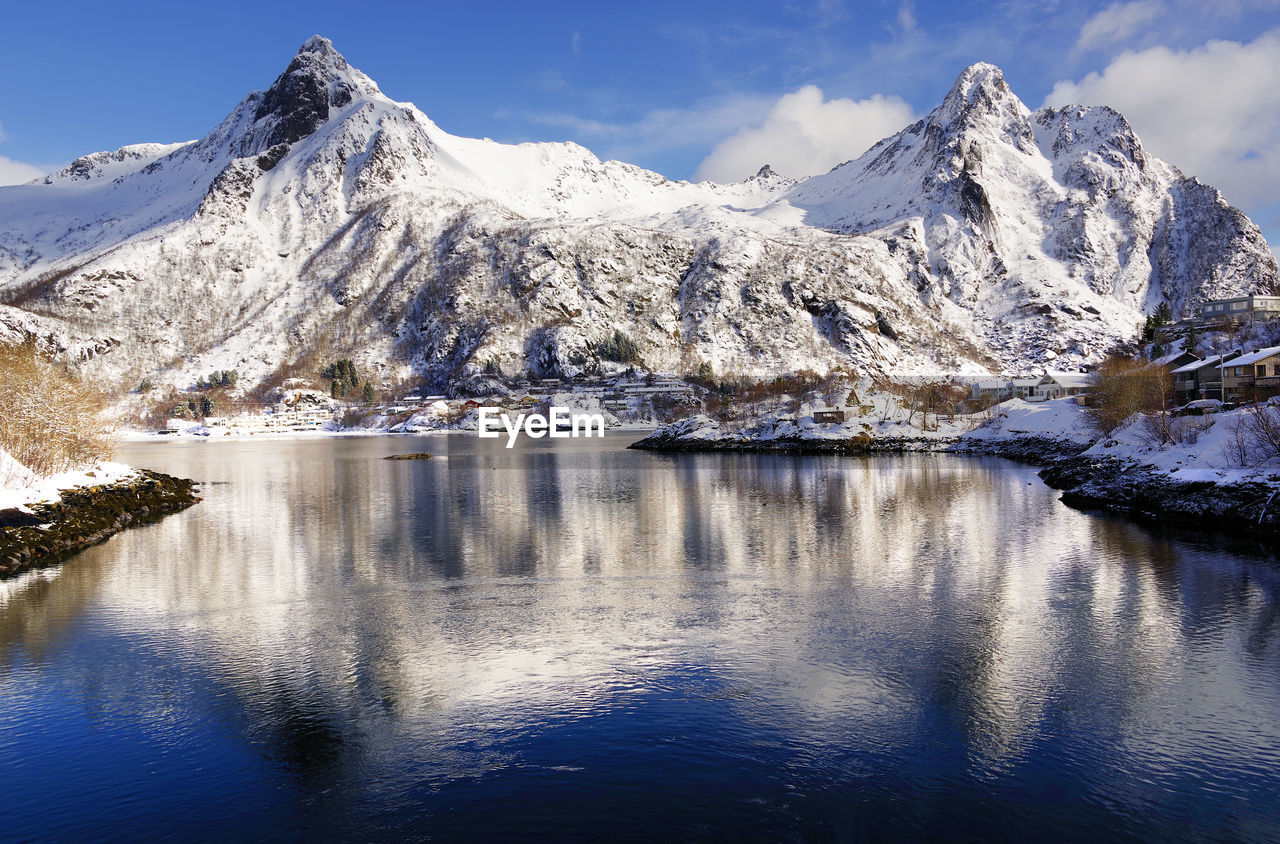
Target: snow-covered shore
<point x="20" y="487"/>
<point x="44" y="519"/>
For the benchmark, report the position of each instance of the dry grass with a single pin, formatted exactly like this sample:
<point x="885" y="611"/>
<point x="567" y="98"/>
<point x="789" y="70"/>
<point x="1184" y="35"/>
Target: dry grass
<point x="50" y="420"/>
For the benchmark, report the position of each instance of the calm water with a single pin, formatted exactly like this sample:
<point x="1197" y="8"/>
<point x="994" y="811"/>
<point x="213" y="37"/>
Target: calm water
<point x="572" y="640"/>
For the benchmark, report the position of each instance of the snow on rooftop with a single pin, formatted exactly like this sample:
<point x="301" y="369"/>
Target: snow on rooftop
<point x="1194" y="366"/>
<point x="1254" y="357"/>
<point x="1070" y="379"/>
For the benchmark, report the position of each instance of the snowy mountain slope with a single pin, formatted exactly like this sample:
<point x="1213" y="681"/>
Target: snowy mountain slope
<point x="322" y="218"/>
<point x="1055" y="228"/>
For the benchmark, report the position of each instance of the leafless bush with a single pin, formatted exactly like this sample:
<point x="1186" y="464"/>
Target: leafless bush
<point x="1236" y="448"/>
<point x="1157" y="427"/>
<point x="1254" y="437"/>
<point x="1187" y="430"/>
<point x="50" y="420"/>
<point x="1264" y="424"/>
<point x="1122" y="387"/>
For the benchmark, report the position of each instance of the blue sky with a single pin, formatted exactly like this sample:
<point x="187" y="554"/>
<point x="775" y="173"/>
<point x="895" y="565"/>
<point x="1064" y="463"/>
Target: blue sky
<point x="687" y="89"/>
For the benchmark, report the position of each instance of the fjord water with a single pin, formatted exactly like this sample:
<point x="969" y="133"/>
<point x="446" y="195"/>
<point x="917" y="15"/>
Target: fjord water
<point x="572" y="640"/>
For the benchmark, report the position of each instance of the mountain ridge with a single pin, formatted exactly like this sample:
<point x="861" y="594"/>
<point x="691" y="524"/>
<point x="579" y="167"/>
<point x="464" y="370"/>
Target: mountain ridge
<point x="320" y="217"/>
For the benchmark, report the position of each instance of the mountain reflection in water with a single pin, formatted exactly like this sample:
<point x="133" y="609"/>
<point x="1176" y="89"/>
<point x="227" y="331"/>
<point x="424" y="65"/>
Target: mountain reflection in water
<point x="567" y="638"/>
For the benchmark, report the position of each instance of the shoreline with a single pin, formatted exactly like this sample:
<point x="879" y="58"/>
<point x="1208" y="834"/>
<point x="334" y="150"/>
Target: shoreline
<point x="135" y="437"/>
<point x="85" y="516"/>
<point x="1087" y="482"/>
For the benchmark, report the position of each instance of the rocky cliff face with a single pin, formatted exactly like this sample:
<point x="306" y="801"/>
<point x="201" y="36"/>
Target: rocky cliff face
<point x="321" y="215"/>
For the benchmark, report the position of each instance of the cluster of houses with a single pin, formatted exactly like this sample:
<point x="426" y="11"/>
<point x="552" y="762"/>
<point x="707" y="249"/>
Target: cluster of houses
<point x="1221" y="313"/>
<point x="1235" y="376"/>
<point x="615" y="394"/>
<point x="310" y="410"/>
<point x="1051" y="385"/>
<point x="301" y="410"/>
<point x="1231" y="377"/>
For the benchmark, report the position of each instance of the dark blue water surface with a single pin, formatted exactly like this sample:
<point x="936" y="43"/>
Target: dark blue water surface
<point x="568" y="640"/>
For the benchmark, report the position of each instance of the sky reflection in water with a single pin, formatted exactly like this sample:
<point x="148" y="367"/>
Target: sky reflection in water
<point x="572" y="639"/>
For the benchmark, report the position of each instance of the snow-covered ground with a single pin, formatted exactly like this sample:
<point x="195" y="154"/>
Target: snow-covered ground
<point x="1215" y="448"/>
<point x="1059" y="419"/>
<point x="20" y="487"/>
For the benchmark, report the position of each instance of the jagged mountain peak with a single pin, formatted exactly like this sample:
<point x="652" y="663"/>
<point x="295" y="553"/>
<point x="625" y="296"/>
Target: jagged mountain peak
<point x="320" y="44"/>
<point x="300" y="100"/>
<point x="981" y="97"/>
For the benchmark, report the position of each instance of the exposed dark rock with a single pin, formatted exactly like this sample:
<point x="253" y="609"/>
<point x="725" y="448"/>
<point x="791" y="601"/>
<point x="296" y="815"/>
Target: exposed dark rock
<point x="14" y="517"/>
<point x="1119" y="486"/>
<point x="1038" y="451"/>
<point x="90" y="515"/>
<point x="272" y="157"/>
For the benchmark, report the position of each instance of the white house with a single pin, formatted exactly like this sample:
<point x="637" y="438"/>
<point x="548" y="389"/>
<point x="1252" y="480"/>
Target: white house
<point x="995" y="389"/>
<point x="1024" y="388"/>
<point x="1056" y="385"/>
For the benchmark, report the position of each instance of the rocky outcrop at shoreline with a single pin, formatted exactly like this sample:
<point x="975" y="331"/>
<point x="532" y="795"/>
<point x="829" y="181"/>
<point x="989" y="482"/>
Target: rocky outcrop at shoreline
<point x="1119" y="486"/>
<point x="86" y="516"/>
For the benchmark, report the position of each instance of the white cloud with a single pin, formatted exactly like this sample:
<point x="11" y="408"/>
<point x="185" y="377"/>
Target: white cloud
<point x="16" y="172"/>
<point x="661" y="130"/>
<point x="1116" y="23"/>
<point x="1213" y="111"/>
<point x="804" y="134"/>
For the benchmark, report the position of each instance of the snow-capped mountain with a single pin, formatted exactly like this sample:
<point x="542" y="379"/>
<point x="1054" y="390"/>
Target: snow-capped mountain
<point x="321" y="219"/>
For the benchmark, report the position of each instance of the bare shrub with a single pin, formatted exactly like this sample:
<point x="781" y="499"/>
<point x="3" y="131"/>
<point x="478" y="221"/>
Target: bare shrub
<point x="50" y="420"/>
<point x="1187" y="430"/>
<point x="1122" y="387"/>
<point x="1157" y="427"/>
<point x="1264" y="424"/>
<point x="1255" y="437"/>
<point x="1236" y="448"/>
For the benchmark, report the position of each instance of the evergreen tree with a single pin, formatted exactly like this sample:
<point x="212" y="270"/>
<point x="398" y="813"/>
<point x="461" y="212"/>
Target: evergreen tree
<point x="367" y="392"/>
<point x="343" y="374"/>
<point x="1192" y="340"/>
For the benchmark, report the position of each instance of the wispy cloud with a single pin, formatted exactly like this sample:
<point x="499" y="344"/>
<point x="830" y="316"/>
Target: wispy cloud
<point x="907" y="16"/>
<point x="1116" y="23"/>
<point x="17" y="172"/>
